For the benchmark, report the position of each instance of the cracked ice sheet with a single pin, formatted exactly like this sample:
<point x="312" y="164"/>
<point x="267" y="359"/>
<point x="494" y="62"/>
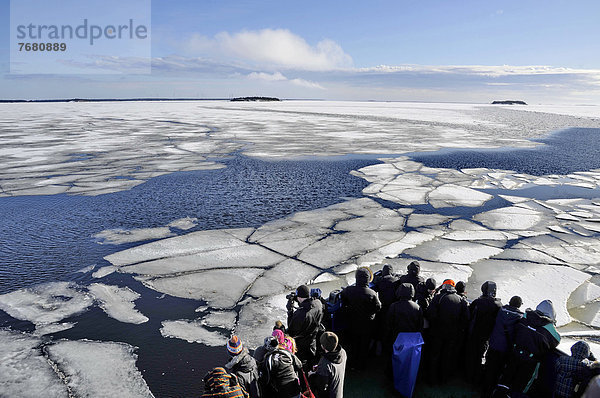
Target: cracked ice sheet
<point x="220" y="319"/>
<point x="383" y="221"/>
<point x="241" y="256"/>
<point x="570" y="249"/>
<point x="288" y="275"/>
<point x="179" y="246"/>
<point x="117" y="302"/>
<point x="99" y="369"/>
<point x="24" y="372"/>
<point x="46" y="303"/>
<point x="338" y="248"/>
<point x="532" y="282"/>
<point x="454" y="195"/>
<point x="219" y="288"/>
<point x="510" y="218"/>
<point x="192" y="332"/>
<point x="458" y="252"/>
<point x="120" y="236"/>
<point x="257" y="318"/>
<point x="410" y="240"/>
<point x="436" y="270"/>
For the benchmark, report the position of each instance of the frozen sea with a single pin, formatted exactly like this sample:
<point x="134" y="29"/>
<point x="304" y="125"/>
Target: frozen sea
<point x="144" y="234"/>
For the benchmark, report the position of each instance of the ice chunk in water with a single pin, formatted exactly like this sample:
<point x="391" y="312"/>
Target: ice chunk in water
<point x="454" y="195"/>
<point x="406" y="195"/>
<point x="52" y="328"/>
<point x="479" y="235"/>
<point x="257" y="318"/>
<point x="419" y="220"/>
<point x="584" y="294"/>
<point x="184" y="223"/>
<point x="338" y="248"/>
<point x="292" y="247"/>
<point x="532" y="282"/>
<point x="120" y="236"/>
<point x="99" y="369"/>
<point x="117" y="302"/>
<point x="458" y="252"/>
<point x="104" y="271"/>
<point x="46" y="303"/>
<point x="289" y="275"/>
<point x="240" y="256"/>
<point x="532" y="255"/>
<point x="511" y="218"/>
<point x="220" y="319"/>
<point x="177" y="246"/>
<point x="389" y="223"/>
<point x="24" y="372"/>
<point x="192" y="332"/>
<point x="87" y="269"/>
<point x="219" y="288"/>
<point x="324" y="218"/>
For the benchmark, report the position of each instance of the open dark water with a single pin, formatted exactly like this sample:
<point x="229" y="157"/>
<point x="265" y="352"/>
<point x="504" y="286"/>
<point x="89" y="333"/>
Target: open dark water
<point x="48" y="238"/>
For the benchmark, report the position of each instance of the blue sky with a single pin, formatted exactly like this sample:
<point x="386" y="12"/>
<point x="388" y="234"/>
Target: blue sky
<point x="541" y="51"/>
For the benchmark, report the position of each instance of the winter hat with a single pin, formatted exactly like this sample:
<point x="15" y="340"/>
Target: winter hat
<point x="217" y="379"/>
<point x="329" y="341"/>
<point x="387" y="270"/>
<point x="449" y="282"/>
<point x="278" y="334"/>
<point x="547" y="308"/>
<point x="234" y="345"/>
<point x="279" y="325"/>
<point x="430" y="284"/>
<point x="489" y="289"/>
<point x="516" y="302"/>
<point x="460" y="287"/>
<point x="414" y="268"/>
<point x="303" y="291"/>
<point x="363" y="276"/>
<point x="406" y="291"/>
<point x="580" y="350"/>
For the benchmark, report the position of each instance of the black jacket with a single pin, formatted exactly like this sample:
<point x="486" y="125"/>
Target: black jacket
<point x="503" y="333"/>
<point x="483" y="312"/>
<point x="360" y="303"/>
<point x="413" y="279"/>
<point x="535" y="334"/>
<point x="448" y="314"/>
<point x="385" y="284"/>
<point x="330" y="374"/>
<point x="304" y="325"/>
<point x="282" y="378"/>
<point x="404" y="315"/>
<point x="245" y="368"/>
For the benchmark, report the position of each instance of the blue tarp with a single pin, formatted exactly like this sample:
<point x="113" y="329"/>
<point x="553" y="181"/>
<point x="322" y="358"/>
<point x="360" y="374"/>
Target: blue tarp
<point x="405" y="362"/>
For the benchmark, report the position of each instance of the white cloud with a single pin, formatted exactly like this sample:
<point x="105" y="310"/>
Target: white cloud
<point x="279" y="77"/>
<point x="270" y="48"/>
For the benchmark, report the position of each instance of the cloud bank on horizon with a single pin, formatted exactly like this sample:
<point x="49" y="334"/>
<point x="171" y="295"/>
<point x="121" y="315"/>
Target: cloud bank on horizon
<point x="295" y="63"/>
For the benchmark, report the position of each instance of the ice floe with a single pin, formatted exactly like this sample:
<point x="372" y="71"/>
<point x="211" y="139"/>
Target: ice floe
<point x="46" y="303"/>
<point x="99" y="369"/>
<point x="531" y="281"/>
<point x="289" y="274"/>
<point x="24" y="371"/>
<point x="184" y="223"/>
<point x="257" y="318"/>
<point x="219" y="288"/>
<point x="457" y="252"/>
<point x="117" y="302"/>
<point x="120" y="236"/>
<point x="453" y="195"/>
<point x="104" y="271"/>
<point x="220" y="319"/>
<point x="510" y="218"/>
<point x="192" y="332"/>
<point x="52" y="328"/>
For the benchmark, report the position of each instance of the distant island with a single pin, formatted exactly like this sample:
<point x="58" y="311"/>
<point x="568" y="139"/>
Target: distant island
<point x="254" y="99"/>
<point x="509" y="102"/>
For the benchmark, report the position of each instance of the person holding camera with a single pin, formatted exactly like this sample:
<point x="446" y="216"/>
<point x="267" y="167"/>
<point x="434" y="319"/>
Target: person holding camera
<point x="304" y="323"/>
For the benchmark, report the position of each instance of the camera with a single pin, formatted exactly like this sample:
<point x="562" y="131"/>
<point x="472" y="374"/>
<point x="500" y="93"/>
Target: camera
<point x="291" y="296"/>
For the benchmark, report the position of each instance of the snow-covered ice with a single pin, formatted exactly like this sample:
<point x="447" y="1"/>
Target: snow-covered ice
<point x="24" y="371"/>
<point x="220" y="319"/>
<point x="46" y="303"/>
<point x="510" y="218"/>
<point x="120" y="236"/>
<point x="117" y="302"/>
<point x="457" y="252"/>
<point x="192" y="332"/>
<point x="99" y="369"/>
<point x="257" y="318"/>
<point x="104" y="271"/>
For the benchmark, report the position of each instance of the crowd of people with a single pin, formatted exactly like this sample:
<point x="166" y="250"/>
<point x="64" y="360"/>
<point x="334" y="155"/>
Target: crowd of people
<point x="497" y="348"/>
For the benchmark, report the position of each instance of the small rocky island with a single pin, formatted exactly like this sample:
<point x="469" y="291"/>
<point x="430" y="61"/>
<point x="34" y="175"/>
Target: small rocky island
<point x="238" y="99"/>
<point x="509" y="102"/>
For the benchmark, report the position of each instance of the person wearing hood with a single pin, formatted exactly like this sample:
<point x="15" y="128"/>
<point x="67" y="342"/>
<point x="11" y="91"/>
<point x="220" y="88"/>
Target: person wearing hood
<point x="448" y="315"/>
<point x="280" y="371"/>
<point x="535" y="336"/>
<point x="361" y="303"/>
<point x="244" y="366"/>
<point x="572" y="372"/>
<point x="412" y="276"/>
<point x="501" y="340"/>
<point x="328" y="376"/>
<point x="385" y="286"/>
<point x="482" y="312"/>
<point x="304" y="324"/>
<point x="425" y="293"/>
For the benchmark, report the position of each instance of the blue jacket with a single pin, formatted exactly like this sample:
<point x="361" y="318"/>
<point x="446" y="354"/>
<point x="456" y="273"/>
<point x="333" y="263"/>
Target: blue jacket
<point x="502" y="336"/>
